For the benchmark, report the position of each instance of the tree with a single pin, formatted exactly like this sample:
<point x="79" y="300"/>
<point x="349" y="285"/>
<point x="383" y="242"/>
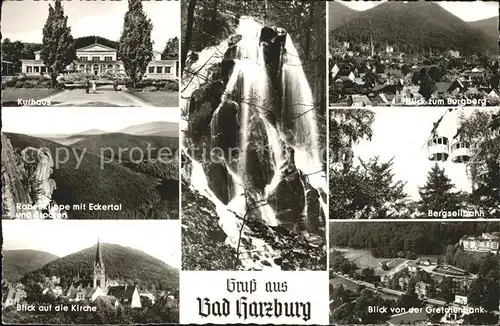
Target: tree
<point x="136" y="47"/>
<point x="188" y="34"/>
<point x="437" y="193"/>
<point x="380" y="69"/>
<point x="435" y="73"/>
<point x="447" y="289"/>
<point x="13" y="52"/>
<point x="427" y="86"/>
<point x="367" y="191"/>
<point x="57" y="46"/>
<point x="367" y="274"/>
<point x="171" y="51"/>
<point x="481" y="131"/>
<point x="370" y="78"/>
<point x="405" y="70"/>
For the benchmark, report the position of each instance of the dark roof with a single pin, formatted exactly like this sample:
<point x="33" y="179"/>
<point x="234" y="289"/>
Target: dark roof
<point x="386" y="88"/>
<point x="443" y="87"/>
<point x="107" y="300"/>
<point x="122" y="292"/>
<point x="82" y="283"/>
<point x="98" y="256"/>
<point x="344" y="78"/>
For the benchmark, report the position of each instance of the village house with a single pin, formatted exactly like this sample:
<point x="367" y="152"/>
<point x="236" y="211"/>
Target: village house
<point x="126" y="295"/>
<point x="148" y="295"/>
<point x="421" y="290"/>
<point x="413" y="267"/>
<point x="453" y="54"/>
<point x="108" y="300"/>
<point x="15" y="294"/>
<point x="98" y="59"/>
<point x="461" y="299"/>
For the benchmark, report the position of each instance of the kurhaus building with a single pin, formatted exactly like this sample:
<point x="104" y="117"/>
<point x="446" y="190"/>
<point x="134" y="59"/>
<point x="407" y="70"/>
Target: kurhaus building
<point x="97" y="59"/>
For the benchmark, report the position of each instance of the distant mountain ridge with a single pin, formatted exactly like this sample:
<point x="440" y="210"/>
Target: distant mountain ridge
<point x="157" y="128"/>
<point x="122" y="263"/>
<point x="339" y="15"/>
<point x="415" y="26"/>
<point x="488" y="26"/>
<point x="91" y="132"/>
<point x="18" y="262"/>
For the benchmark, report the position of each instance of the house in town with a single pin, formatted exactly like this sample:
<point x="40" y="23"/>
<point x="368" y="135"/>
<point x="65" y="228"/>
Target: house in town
<point x="421" y="289"/>
<point x="15" y="294"/>
<point x="461" y="299"/>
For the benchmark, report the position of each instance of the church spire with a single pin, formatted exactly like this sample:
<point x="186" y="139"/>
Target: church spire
<point x="98" y="256"/>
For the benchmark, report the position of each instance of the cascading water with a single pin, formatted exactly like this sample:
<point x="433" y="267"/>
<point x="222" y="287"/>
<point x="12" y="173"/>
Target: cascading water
<point x="273" y="174"/>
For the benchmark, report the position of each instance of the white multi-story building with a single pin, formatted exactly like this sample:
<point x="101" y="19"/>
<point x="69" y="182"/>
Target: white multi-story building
<point x="487" y="242"/>
<point x="97" y="59"/>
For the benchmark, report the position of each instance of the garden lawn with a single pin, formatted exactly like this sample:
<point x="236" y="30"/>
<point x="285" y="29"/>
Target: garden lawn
<point x="11" y="95"/>
<point x="159" y="98"/>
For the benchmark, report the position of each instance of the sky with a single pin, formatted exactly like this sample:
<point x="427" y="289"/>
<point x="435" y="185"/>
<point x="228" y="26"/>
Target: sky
<point x="403" y="133"/>
<point x="24" y="20"/>
<point x="158" y="238"/>
<point x="60" y="120"/>
<point x="467" y="11"/>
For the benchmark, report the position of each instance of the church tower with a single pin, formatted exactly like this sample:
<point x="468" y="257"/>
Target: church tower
<point x="99" y="271"/>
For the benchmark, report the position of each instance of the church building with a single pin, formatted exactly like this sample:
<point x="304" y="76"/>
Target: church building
<point x="97" y="59"/>
<point x="102" y="288"/>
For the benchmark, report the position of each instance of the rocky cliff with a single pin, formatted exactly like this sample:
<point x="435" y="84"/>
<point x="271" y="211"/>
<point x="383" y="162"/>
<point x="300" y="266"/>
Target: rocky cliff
<point x="26" y="184"/>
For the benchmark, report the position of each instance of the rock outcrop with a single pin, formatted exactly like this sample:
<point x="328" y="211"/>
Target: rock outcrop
<point x="26" y="184"/>
<point x="13" y="180"/>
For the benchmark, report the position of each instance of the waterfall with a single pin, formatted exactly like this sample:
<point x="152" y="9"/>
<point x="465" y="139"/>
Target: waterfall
<point x="300" y="107"/>
<point x="265" y="183"/>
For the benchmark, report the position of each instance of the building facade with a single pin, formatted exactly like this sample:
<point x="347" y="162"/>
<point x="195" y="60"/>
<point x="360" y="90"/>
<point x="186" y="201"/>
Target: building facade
<point x="487" y="242"/>
<point x="97" y="59"/>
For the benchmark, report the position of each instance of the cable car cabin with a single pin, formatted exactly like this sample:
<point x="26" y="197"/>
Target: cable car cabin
<point x="438" y="148"/>
<point x="460" y="152"/>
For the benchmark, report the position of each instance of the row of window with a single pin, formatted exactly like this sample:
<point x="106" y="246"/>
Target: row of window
<point x="106" y="58"/>
<point x="35" y="69"/>
<point x="151" y="70"/>
<point x="438" y="141"/>
<point x="159" y="70"/>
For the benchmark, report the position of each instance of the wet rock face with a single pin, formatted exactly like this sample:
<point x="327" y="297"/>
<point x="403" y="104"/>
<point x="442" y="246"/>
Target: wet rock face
<point x="225" y="130"/>
<point x="227" y="67"/>
<point x="203" y="103"/>
<point x="232" y="50"/>
<point x="273" y="40"/>
<point x="315" y="218"/>
<point x="218" y="180"/>
<point x="288" y="199"/>
<point x="259" y="161"/>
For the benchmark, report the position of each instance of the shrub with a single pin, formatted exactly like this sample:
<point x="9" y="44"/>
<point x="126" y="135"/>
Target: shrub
<point x="29" y="84"/>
